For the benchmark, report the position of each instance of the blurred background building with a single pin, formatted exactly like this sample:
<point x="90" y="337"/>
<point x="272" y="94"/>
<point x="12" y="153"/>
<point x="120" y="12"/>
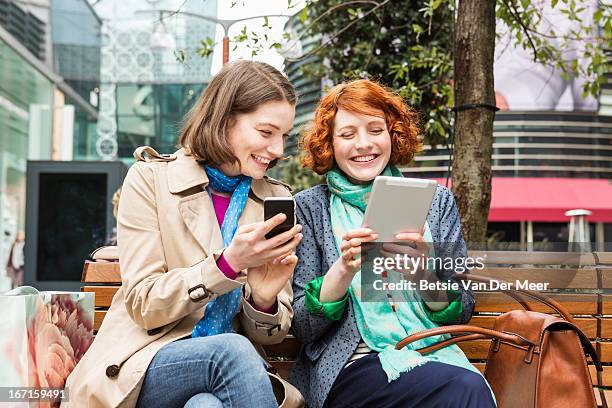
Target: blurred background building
<point x="544" y="163"/>
<point x="552" y="146"/>
<point x="145" y="90"/>
<point x="40" y="110"/>
<point x="308" y="90"/>
<point x="89" y="81"/>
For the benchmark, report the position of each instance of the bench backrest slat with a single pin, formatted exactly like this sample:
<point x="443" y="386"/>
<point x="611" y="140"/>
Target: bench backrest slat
<point x="101" y="272"/>
<point x="535" y="258"/>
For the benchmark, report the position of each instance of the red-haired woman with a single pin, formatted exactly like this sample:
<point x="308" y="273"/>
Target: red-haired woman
<point x="363" y="130"/>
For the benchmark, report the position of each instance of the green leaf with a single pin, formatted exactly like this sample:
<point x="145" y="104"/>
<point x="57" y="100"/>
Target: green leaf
<point x="597" y="16"/>
<point x="180" y="56"/>
<point x="304" y="15"/>
<point x="574" y="66"/>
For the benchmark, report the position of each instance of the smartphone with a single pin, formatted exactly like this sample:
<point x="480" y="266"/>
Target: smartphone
<point x="277" y="205"/>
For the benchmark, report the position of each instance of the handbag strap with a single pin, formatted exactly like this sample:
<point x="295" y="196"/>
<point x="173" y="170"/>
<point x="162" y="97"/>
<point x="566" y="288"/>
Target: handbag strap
<point x="481" y="333"/>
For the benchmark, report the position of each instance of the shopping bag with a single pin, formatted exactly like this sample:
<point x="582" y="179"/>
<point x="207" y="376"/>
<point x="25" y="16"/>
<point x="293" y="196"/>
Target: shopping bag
<point x="43" y="335"/>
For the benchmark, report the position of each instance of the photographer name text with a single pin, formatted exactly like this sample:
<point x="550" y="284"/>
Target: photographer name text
<point x="424" y="285"/>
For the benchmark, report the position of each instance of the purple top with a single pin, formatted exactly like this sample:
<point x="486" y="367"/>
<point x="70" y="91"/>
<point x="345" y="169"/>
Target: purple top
<point x="221" y="203"/>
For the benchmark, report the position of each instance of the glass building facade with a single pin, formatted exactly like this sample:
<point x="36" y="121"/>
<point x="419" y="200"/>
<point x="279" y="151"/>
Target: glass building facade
<point x="84" y="139"/>
<point x="151" y="114"/>
<point x="538" y="144"/>
<point x="145" y="91"/>
<point x="75" y="35"/>
<point x="571" y="145"/>
<point x="26" y="101"/>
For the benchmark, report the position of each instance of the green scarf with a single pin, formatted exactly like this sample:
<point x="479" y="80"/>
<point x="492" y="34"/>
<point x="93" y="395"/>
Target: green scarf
<point x="378" y="325"/>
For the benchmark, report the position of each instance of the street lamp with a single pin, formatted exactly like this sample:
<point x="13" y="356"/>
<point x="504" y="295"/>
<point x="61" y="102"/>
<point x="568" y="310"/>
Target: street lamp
<point x="224" y="23"/>
<point x="162" y="39"/>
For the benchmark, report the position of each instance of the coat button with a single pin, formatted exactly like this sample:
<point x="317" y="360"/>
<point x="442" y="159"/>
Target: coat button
<point x="153" y="332"/>
<point x="112" y="370"/>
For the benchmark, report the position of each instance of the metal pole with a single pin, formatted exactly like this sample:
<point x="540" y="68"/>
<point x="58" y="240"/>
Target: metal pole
<point x="579" y="235"/>
<point x="225" y="49"/>
<point x="530" y="235"/>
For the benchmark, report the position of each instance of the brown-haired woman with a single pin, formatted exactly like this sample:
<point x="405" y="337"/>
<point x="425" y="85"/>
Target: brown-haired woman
<point x="195" y="265"/>
<point x="362" y="130"/>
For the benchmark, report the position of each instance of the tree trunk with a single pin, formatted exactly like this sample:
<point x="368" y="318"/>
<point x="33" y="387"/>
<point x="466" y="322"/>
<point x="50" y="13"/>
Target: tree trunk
<point x="473" y="144"/>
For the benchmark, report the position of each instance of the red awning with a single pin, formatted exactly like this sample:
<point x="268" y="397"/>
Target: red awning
<point x="547" y="199"/>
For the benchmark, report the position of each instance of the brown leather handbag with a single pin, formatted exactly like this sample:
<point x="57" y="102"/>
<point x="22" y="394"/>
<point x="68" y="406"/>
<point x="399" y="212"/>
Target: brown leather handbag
<point x="535" y="359"/>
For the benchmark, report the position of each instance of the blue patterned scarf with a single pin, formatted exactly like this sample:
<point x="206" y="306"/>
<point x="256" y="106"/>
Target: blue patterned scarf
<point x="219" y="312"/>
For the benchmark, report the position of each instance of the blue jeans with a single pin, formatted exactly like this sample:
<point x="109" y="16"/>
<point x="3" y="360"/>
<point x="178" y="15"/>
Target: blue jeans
<point x="216" y="371"/>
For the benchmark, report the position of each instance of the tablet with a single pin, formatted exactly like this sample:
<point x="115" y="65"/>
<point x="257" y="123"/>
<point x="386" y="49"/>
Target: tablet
<point x="398" y="204"/>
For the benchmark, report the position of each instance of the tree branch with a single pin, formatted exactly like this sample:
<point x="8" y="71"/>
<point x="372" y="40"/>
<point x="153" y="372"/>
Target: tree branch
<point x="514" y="12"/>
<point x="334" y="8"/>
<point x="336" y="35"/>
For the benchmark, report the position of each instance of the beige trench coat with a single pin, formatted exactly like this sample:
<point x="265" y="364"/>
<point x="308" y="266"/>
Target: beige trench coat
<point x="168" y="239"/>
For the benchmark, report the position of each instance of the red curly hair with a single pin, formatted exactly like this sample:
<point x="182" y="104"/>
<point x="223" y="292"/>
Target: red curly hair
<point x="367" y="98"/>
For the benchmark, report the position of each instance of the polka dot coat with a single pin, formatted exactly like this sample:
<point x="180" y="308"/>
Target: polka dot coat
<point x="327" y="344"/>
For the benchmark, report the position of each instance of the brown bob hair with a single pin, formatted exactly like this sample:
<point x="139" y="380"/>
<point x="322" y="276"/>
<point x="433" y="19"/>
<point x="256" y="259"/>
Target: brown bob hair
<point x="240" y="87"/>
<point x="367" y="98"/>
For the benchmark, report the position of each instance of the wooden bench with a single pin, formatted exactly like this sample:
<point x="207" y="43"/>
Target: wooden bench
<point x="580" y="282"/>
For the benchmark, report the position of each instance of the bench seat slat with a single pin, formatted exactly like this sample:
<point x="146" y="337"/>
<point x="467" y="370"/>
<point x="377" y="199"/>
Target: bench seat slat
<point x="606" y="304"/>
<point x="604" y="349"/>
<point x="99" y="315"/>
<point x="103" y="294"/>
<point x="605" y="324"/>
<point x="289" y="348"/>
<point x="606" y="277"/>
<point x="604" y="258"/>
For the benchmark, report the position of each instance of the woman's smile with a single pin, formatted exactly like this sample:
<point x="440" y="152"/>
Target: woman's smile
<point x="261" y="161"/>
<point x="365" y="159"/>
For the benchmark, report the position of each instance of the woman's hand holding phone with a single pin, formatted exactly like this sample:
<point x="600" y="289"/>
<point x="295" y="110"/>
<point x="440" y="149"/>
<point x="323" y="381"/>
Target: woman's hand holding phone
<point x="266" y="281"/>
<point x="250" y="248"/>
<point x="269" y="262"/>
